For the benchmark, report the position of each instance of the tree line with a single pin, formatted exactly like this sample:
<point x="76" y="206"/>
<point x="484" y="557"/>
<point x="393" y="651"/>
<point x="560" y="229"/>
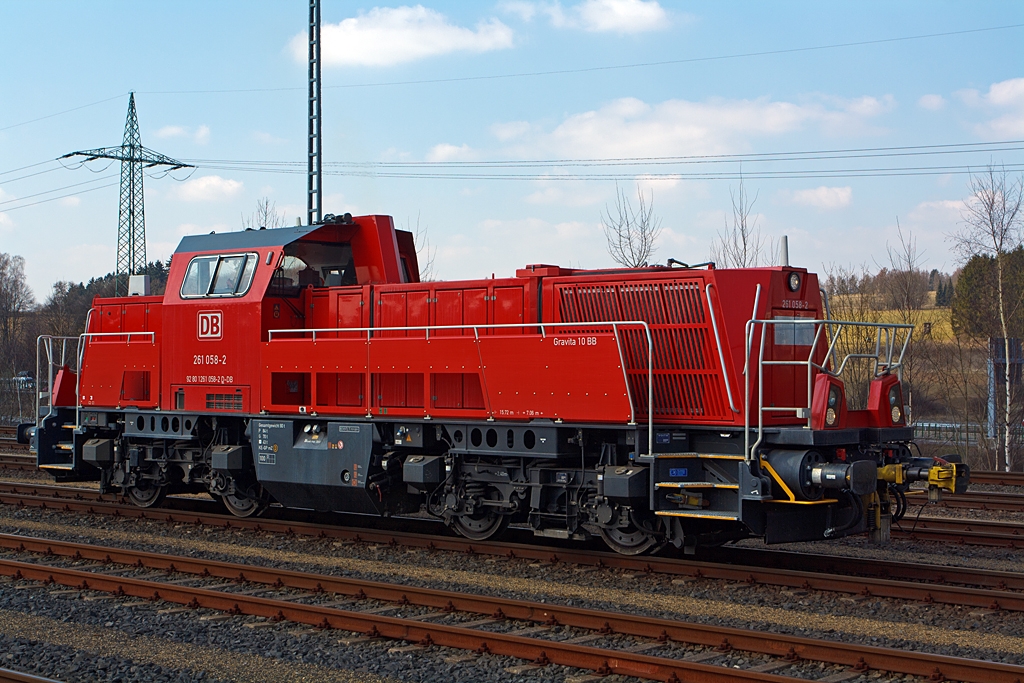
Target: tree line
<point x="62" y="313"/>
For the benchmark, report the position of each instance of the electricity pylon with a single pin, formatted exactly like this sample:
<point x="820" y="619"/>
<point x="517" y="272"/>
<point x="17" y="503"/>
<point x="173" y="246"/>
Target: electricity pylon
<point x="131" y="222"/>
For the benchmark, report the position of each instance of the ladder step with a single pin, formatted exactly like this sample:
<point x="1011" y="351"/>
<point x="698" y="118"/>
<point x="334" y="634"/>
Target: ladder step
<point x="693" y="485"/>
<point x="68" y="466"/>
<point x="703" y="514"/>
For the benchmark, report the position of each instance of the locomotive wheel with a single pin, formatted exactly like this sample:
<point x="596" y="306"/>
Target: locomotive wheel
<point x="630" y="540"/>
<point x="243" y="506"/>
<point x="480" y="527"/>
<point x="147" y="495"/>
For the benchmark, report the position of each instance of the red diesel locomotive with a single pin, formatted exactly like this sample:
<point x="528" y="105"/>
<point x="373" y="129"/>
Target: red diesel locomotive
<point x="309" y="366"/>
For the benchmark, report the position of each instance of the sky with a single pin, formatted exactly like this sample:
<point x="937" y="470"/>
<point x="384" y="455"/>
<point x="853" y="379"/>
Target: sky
<point x="430" y="112"/>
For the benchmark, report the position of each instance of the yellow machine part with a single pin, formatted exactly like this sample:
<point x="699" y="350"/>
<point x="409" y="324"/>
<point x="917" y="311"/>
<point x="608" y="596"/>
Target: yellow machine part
<point x="894" y="474"/>
<point x="943" y="477"/>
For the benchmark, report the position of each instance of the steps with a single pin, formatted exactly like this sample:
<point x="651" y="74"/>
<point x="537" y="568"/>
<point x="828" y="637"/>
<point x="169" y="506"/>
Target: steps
<point x="697" y="485"/>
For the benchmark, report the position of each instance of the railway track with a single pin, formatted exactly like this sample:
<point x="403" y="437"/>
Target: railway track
<point x="997" y="478"/>
<point x="9" y="676"/>
<point x="17" y="462"/>
<point x="983" y="589"/>
<point x="107" y="568"/>
<point x="9" y="444"/>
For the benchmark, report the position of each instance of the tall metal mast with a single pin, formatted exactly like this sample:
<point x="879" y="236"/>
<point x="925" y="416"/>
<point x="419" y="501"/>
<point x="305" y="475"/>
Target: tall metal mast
<point x="131" y="222"/>
<point x="314" y="193"/>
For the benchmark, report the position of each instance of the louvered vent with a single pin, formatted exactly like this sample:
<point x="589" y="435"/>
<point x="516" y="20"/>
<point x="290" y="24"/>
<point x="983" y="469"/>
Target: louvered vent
<point x="687" y="376"/>
<point x="224" y="401"/>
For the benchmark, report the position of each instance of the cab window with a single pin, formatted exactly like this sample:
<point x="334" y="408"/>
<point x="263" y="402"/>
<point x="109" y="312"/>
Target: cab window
<point x="228" y="275"/>
<point x="791" y="333"/>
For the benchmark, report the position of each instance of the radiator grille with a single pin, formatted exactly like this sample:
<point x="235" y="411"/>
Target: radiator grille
<point x="687" y="376"/>
<point x="224" y="401"/>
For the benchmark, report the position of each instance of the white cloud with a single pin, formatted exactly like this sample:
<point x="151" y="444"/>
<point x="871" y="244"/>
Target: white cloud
<point x="200" y="135"/>
<point x="446" y="152"/>
<point x="629" y="127"/>
<point x="932" y="102"/>
<point x="618" y="16"/>
<point x="207" y="189"/>
<point x="501" y="246"/>
<point x="172" y="132"/>
<point x="564" y="194"/>
<point x="821" y="197"/>
<point x="5" y="221"/>
<point x="394" y="35"/>
<point x="266" y="138"/>
<point x="943" y="211"/>
<point x="510" y="130"/>
<point x="70" y="201"/>
<point x="524" y="10"/>
<point x="1004" y="99"/>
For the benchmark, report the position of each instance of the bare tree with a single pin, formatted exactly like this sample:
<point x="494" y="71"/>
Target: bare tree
<point x="742" y="245"/>
<point x="904" y="288"/>
<point x="631" y="234"/>
<point x="16" y="301"/>
<point x="266" y="215"/>
<point x="16" y="341"/>
<point x="850" y="299"/>
<point x="63" y="314"/>
<point x="992" y="226"/>
<point x="425" y="251"/>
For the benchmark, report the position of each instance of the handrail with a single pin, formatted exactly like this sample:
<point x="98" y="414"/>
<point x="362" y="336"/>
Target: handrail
<point x="86" y="335"/>
<point x="883" y="358"/>
<point x="721" y="353"/>
<point x="828" y="316"/>
<point x="45" y="345"/>
<point x="614" y="324"/>
<point x="746" y="375"/>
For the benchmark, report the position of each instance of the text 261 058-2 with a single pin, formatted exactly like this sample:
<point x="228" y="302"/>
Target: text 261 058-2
<point x="209" y="359"/>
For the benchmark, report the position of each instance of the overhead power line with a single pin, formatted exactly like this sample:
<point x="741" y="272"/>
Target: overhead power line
<point x="66" y="111"/>
<point x="58" y="189"/>
<point x="610" y="67"/>
<point x="532" y="74"/>
<point x="53" y="199"/>
<point x="22" y="168"/>
<point x="488" y="169"/>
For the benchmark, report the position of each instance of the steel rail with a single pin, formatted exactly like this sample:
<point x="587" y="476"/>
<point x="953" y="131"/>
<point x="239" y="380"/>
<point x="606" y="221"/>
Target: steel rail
<point x="973" y="500"/>
<point x="997" y="478"/>
<point x="11" y="676"/>
<point x="806" y="579"/>
<point x="424" y="633"/>
<point x="793" y="648"/>
<point x="51" y="495"/>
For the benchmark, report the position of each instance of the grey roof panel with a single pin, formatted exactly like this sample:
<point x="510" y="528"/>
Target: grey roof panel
<point x="244" y="239"/>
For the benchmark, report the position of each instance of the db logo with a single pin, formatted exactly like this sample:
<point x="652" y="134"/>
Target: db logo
<point x="211" y="324"/>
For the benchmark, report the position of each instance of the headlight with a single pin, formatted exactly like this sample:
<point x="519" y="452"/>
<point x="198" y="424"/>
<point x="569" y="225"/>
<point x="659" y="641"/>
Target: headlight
<point x="830" y="416"/>
<point x="896" y="411"/>
<point x="794" y="282"/>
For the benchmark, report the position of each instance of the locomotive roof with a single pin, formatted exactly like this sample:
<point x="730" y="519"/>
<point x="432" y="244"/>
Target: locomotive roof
<point x="244" y="239"/>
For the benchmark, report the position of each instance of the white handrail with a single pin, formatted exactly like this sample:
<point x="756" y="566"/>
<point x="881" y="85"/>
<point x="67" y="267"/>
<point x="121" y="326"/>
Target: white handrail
<point x="152" y="335"/>
<point x="721" y="353"/>
<point x="888" y="349"/>
<point x="614" y="324"/>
